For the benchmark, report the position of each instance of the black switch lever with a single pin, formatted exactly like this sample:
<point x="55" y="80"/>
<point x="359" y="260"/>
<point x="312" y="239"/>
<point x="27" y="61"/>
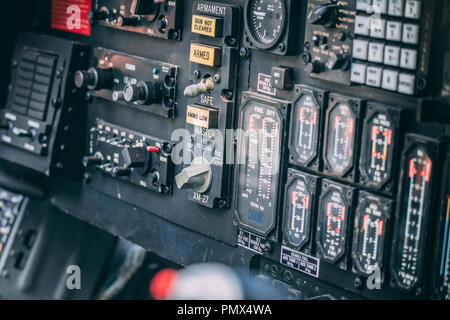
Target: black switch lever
<point x="135" y="157"/>
<point x="120" y="172"/>
<point x="23" y="133"/>
<point x="91" y="161"/>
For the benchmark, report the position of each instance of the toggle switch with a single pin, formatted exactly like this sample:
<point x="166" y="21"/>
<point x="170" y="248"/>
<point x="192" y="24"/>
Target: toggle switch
<point x="23" y="133"/>
<point x="205" y="85"/>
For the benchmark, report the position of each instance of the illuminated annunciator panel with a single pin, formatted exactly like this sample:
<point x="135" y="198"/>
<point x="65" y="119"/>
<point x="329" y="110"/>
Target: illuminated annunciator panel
<point x="260" y="155"/>
<point x="333" y="223"/>
<point x="414" y="213"/>
<point x="372" y="218"/>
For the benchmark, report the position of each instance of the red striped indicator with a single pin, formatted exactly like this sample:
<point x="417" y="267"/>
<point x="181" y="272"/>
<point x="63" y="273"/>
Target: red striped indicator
<point x="71" y="16"/>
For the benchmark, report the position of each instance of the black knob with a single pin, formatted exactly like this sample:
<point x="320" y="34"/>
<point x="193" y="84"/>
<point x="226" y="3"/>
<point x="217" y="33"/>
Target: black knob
<point x="127" y="21"/>
<point x="143" y="93"/>
<point x="325" y="14"/>
<point x="120" y="172"/>
<point x="162" y="23"/>
<point x="94" y="79"/>
<point x="315" y="67"/>
<point x="91" y="161"/>
<point x="97" y="15"/>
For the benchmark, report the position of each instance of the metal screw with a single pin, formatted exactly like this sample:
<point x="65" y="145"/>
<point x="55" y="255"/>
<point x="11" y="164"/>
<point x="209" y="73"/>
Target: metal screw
<point x="357" y="283"/>
<point x="244" y="53"/>
<point x="232" y="41"/>
<point x="197" y="74"/>
<point x="216" y="78"/>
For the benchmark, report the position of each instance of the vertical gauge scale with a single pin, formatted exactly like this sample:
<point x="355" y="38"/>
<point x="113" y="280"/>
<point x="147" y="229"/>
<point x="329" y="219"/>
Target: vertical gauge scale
<point x="268" y="25"/>
<point x="413" y="212"/>
<point x="299" y="209"/>
<point x="379" y="143"/>
<point x="335" y="206"/>
<point x="442" y="265"/>
<point x="306" y="123"/>
<point x="341" y="137"/>
<point x="369" y="236"/>
<point x="259" y="167"/>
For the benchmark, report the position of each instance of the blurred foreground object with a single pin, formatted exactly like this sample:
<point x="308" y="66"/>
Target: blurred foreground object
<point x="210" y="281"/>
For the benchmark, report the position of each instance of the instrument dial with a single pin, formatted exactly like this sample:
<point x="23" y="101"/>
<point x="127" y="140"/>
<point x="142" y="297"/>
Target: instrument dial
<point x="298" y="210"/>
<point x="258" y="177"/>
<point x="340" y="138"/>
<point x="306" y="128"/>
<point x="378" y="149"/>
<point x="409" y="249"/>
<point x="332" y="225"/>
<point x="370" y="233"/>
<point x="266" y="21"/>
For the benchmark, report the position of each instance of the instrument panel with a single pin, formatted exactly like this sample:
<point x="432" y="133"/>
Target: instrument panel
<point x="307" y="141"/>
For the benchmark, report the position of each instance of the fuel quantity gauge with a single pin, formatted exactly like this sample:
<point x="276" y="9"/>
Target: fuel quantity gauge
<point x="379" y="146"/>
<point x="259" y="163"/>
<point x="306" y="123"/>
<point x="335" y="205"/>
<point x="341" y="137"/>
<point x="299" y="209"/>
<point x="369" y="236"/>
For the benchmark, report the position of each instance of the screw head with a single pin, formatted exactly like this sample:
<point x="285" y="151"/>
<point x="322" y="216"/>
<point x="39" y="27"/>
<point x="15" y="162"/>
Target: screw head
<point x="244" y="53"/>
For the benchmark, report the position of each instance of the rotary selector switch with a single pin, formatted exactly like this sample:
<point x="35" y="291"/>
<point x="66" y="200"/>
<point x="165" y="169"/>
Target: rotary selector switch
<point x="198" y="176"/>
<point x="324" y="14"/>
<point x="94" y="79"/>
<point x="145" y="93"/>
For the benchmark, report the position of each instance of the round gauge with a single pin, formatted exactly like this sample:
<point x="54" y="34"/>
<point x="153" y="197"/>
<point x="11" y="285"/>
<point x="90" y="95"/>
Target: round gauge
<point x="410" y="246"/>
<point x="266" y="20"/>
<point x="297" y="224"/>
<point x="332" y="225"/>
<point x="378" y="149"/>
<point x="340" y="138"/>
<point x="306" y="129"/>
<point x="370" y="234"/>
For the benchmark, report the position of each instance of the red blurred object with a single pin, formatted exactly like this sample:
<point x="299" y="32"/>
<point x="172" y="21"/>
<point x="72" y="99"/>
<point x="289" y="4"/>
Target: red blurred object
<point x="71" y="16"/>
<point x="153" y="149"/>
<point x="162" y="284"/>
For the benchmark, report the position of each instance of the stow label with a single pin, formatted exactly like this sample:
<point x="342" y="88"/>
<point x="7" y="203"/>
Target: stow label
<point x="206" y="55"/>
<point x="207" y="26"/>
<point x="202" y="117"/>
